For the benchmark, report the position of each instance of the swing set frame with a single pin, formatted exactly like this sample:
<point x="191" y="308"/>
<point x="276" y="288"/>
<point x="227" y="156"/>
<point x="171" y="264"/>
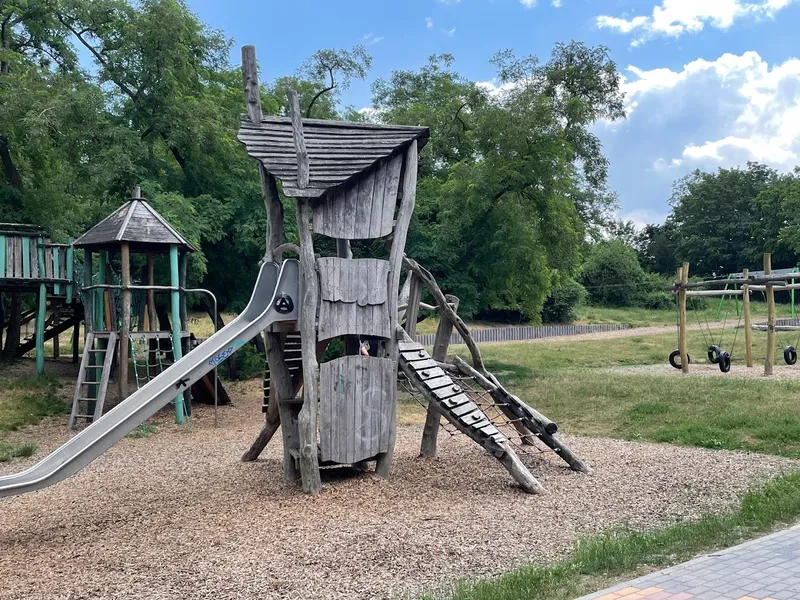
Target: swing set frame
<point x="735" y="285"/>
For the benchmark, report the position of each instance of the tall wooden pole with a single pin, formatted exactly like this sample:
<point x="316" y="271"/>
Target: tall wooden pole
<point x="183" y="265"/>
<point x="383" y="465"/>
<point x="770" y="360"/>
<point x="152" y="319"/>
<point x="748" y="333"/>
<point x="124" y="333"/>
<point x="307" y="418"/>
<point x="430" y="434"/>
<point x="683" y="274"/>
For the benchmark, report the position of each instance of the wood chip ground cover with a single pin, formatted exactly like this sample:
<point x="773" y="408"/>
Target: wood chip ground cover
<point x="177" y="515"/>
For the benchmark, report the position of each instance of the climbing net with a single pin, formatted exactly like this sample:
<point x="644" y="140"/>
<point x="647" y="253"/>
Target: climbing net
<point x="148" y="357"/>
<point x="523" y="443"/>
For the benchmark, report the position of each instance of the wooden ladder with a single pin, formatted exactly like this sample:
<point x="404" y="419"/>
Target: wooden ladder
<point x="96" y="365"/>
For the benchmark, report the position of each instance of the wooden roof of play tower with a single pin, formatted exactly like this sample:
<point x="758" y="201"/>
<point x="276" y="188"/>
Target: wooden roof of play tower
<point x="337" y="150"/>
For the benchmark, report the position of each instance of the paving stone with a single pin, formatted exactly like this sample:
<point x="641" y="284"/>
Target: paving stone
<point x="764" y="569"/>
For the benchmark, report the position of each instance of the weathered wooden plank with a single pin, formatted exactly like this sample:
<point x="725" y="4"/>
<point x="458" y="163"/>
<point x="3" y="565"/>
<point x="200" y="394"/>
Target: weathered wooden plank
<point x="438" y="382"/>
<point x="465" y="409"/>
<point x="299" y="139"/>
<point x="376" y="212"/>
<point x="48" y="260"/>
<point x="391" y="189"/>
<point x="409" y="346"/>
<point x="366" y="186"/>
<point x="426" y="374"/>
<point x="419" y="365"/>
<point x="448" y="391"/>
<point x="416" y="355"/>
<point x="347" y="212"/>
<point x="2" y="256"/>
<point x="17" y="257"/>
<point x="457" y="400"/>
<point x="26" y="257"/>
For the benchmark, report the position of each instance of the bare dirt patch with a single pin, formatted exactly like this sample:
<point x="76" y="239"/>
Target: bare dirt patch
<point x="177" y="515"/>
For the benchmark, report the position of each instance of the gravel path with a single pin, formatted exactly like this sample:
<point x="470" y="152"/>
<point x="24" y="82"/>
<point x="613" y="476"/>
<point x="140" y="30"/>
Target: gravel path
<point x="177" y="515"/>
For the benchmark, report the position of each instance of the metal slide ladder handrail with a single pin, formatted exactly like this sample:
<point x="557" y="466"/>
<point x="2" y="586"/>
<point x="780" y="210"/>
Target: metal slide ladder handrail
<point x="272" y="283"/>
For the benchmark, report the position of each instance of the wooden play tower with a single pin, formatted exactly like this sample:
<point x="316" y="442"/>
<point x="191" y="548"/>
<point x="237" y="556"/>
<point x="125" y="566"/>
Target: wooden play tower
<point x="134" y="228"/>
<point x="352" y="181"/>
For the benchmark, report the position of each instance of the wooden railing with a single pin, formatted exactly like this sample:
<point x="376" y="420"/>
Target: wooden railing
<point x="26" y="258"/>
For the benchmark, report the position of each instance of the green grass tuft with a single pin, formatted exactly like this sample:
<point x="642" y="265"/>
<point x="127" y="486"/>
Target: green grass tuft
<point x="11" y="451"/>
<point x="27" y="400"/>
<point x="145" y="430"/>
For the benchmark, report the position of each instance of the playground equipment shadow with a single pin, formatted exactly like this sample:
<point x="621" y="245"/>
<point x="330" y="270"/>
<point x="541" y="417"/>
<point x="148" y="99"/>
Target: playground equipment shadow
<point x="177" y="514"/>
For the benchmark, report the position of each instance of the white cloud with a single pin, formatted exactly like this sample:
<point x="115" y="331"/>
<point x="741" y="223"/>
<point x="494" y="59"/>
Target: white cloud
<point x="493" y="89"/>
<point x="428" y="22"/>
<point x="677" y="17"/>
<point x="373" y="115"/>
<point x="449" y="32"/>
<point x="750" y="111"/>
<point x="449" y="1"/>
<point x="370" y="39"/>
<point x="557" y="3"/>
<point x="642" y="217"/>
<point x="528" y="3"/>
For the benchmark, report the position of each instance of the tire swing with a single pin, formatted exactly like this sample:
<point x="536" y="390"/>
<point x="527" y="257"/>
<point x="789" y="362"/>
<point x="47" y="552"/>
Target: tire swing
<point x="675" y="359"/>
<point x="714" y="354"/>
<point x="724" y="361"/>
<point x="789" y="355"/>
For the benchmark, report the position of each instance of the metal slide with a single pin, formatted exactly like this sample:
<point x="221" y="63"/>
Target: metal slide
<point x="275" y="298"/>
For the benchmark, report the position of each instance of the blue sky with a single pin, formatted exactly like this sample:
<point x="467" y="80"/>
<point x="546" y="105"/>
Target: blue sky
<point x="709" y="83"/>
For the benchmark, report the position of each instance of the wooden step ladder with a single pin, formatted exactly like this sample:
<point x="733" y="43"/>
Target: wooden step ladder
<point x="96" y="365"/>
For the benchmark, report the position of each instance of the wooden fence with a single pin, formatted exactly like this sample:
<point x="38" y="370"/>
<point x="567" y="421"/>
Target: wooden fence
<point x="520" y="333"/>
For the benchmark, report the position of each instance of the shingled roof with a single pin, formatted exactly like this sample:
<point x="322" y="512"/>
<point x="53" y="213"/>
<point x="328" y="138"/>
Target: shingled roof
<point x="137" y="223"/>
<point x="337" y="150"/>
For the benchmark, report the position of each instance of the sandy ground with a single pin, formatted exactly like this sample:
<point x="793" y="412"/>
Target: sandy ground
<point x="706" y="369"/>
<point x="176" y="515"/>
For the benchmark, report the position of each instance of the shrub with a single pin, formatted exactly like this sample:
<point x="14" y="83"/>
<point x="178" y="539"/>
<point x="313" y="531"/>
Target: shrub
<point x="560" y="304"/>
<point x="612" y="274"/>
<point x="250" y="363"/>
<point x="653" y="294"/>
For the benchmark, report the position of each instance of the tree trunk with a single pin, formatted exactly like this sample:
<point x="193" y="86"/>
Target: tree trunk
<point x="9" y="168"/>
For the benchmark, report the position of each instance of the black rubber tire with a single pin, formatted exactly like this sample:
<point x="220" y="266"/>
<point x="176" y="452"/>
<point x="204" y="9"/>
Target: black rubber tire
<point x="713" y="354"/>
<point x="674" y="359"/>
<point x="724" y="362"/>
<point x="790" y="355"/>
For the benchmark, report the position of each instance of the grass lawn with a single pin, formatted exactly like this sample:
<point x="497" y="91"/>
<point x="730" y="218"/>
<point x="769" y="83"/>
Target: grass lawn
<point x="25" y="401"/>
<point x="644" y="317"/>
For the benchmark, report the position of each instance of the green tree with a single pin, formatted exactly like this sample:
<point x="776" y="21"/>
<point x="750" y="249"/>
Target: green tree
<point x="612" y="274"/>
<point x="713" y="215"/>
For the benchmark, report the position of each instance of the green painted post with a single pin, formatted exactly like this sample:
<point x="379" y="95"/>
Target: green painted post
<point x="70" y="269"/>
<point x="56" y="286"/>
<point x="26" y="258"/>
<point x="2" y="256"/>
<point x="41" y="313"/>
<point x="176" y="323"/>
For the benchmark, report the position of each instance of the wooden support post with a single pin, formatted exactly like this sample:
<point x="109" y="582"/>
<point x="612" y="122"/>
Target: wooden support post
<point x="41" y="313"/>
<point x="152" y="319"/>
<point x="412" y="308"/>
<point x="683" y="279"/>
<point x="430" y="434"/>
<point x="307" y="419"/>
<point x="748" y="332"/>
<point x="343" y="249"/>
<point x="56" y="346"/>
<point x="770" y="360"/>
<point x="112" y="314"/>
<point x="175" y="319"/>
<point x="124" y="334"/>
<point x="384" y="462"/>
<point x="70" y="270"/>
<point x="76" y="340"/>
<point x="99" y="318"/>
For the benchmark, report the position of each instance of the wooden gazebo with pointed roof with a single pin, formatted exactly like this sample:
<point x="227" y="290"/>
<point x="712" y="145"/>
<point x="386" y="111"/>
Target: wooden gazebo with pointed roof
<point x="135" y="227"/>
